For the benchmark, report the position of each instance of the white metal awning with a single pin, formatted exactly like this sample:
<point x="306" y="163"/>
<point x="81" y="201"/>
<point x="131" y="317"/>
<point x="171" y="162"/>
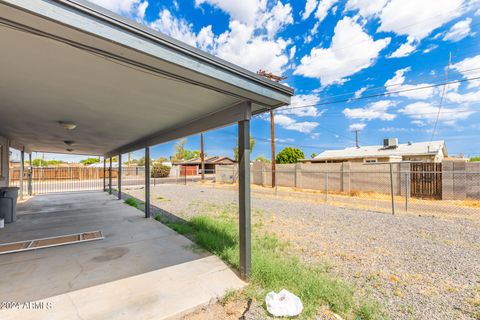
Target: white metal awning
<point x="124" y="86"/>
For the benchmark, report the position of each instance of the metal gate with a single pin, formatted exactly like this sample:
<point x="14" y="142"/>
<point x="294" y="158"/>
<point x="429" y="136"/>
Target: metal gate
<point x="426" y="180"/>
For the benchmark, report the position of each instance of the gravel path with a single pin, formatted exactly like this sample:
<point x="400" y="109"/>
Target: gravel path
<point x="417" y="267"/>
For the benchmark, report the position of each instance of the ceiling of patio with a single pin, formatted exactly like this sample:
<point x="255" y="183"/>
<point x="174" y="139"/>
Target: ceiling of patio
<point x="114" y="103"/>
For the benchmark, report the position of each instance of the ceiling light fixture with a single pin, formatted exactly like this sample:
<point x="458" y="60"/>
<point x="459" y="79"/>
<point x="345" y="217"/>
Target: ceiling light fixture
<point x="69" y="143"/>
<point x="67" y="125"/>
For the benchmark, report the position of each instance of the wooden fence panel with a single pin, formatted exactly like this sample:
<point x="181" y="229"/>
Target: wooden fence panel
<point x="426" y="180"/>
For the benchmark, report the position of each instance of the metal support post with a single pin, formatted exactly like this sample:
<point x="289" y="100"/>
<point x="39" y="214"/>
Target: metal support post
<point x="147" y="182"/>
<point x="22" y="166"/>
<point x="119" y="177"/>
<point x="244" y="197"/>
<point x="30" y="174"/>
<point x="110" y="171"/>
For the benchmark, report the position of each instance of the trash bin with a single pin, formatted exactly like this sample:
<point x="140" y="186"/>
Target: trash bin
<point x="8" y="204"/>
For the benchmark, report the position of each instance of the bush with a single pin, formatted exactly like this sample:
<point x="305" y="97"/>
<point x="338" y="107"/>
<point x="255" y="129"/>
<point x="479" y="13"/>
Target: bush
<point x="160" y="171"/>
<point x="289" y="155"/>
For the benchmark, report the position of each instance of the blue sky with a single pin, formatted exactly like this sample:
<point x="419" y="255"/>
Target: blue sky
<point x="336" y="54"/>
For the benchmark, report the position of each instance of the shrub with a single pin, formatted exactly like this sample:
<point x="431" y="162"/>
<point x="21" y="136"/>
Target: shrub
<point x="160" y="171"/>
<point x="289" y="155"/>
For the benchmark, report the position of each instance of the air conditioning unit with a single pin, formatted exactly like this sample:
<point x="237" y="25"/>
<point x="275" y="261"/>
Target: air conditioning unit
<point x="390" y="143"/>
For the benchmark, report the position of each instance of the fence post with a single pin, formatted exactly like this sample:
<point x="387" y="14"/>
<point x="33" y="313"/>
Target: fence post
<point x="391" y="189"/>
<point x="326" y="187"/>
<point x="407" y="185"/>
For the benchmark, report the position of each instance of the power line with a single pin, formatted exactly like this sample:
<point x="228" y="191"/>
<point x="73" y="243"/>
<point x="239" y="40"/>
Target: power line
<point x="381" y="94"/>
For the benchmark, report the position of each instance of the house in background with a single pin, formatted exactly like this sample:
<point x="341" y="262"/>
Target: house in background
<point x="390" y="151"/>
<point x="193" y="166"/>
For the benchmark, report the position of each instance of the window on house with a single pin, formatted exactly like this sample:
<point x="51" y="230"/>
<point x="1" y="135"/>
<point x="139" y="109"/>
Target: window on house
<point x="372" y="160"/>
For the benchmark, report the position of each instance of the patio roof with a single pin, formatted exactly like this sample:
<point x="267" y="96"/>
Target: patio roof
<point x="124" y="85"/>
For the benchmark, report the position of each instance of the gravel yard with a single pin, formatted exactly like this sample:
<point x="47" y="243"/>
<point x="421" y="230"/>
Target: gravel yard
<point x="416" y="267"/>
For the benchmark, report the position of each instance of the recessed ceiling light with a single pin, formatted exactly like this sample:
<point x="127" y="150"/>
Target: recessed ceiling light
<point x="68" y="125"/>
<point x="69" y="143"/>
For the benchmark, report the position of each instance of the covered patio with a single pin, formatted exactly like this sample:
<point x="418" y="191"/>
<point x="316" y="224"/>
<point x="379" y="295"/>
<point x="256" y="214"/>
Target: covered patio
<point x="79" y="79"/>
<point x="141" y="270"/>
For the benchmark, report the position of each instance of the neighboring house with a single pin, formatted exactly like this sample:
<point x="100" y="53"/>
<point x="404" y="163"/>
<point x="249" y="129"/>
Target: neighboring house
<point x="193" y="166"/>
<point x="391" y="151"/>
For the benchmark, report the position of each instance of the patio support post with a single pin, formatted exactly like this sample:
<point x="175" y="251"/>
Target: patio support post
<point x="30" y="174"/>
<point x="22" y="165"/>
<point x="147" y="182"/>
<point x="244" y="195"/>
<point x="110" y="171"/>
<point x="119" y="177"/>
<point x="104" y="174"/>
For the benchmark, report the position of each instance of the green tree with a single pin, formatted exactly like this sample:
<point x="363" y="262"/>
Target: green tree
<point x="39" y="162"/>
<point x="89" y="161"/>
<point x="182" y="153"/>
<point x="289" y="155"/>
<point x="475" y="159"/>
<point x="262" y="159"/>
<point x="235" y="149"/>
<point x="313" y="155"/>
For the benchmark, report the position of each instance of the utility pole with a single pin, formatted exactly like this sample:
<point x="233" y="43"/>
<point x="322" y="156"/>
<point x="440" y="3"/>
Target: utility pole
<point x="272" y="138"/>
<point x="275" y="78"/>
<point x="356" y="138"/>
<point x="202" y="156"/>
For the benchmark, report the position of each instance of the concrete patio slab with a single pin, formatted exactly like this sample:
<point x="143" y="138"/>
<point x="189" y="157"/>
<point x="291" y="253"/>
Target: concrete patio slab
<point x="141" y="270"/>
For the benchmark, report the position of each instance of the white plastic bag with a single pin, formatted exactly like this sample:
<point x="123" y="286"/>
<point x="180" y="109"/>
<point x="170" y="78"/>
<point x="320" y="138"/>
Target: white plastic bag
<point x="283" y="304"/>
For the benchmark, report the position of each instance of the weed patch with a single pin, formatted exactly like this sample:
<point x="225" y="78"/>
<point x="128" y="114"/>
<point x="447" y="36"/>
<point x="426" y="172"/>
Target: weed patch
<point x="132" y="202"/>
<point x="273" y="268"/>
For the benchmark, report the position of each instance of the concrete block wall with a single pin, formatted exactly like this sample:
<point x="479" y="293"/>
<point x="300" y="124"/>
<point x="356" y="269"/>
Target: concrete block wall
<point x="460" y="180"/>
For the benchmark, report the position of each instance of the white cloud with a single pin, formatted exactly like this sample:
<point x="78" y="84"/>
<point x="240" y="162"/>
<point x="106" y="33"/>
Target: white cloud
<point x="405" y="49"/>
<point x="323" y="7"/>
<point x="366" y="8"/>
<point x="418" y="18"/>
<point x="465" y="68"/>
<point x="356" y="126"/>
<point x="310" y="5"/>
<point x="275" y="19"/>
<point x="293" y="50"/>
<point x="134" y="9"/>
<point x="252" y="45"/>
<point x="334" y="64"/>
<point x="289" y="123"/>
<point x="239" y="45"/>
<point x="359" y="92"/>
<point x="176" y="28"/>
<point x="244" y="11"/>
<point x="477" y="13"/>
<point x="464" y="98"/>
<point x="430" y="48"/>
<point x="459" y="30"/>
<point x="414" y="92"/>
<point x="300" y="101"/>
<point x="424" y="112"/>
<point x="376" y="110"/>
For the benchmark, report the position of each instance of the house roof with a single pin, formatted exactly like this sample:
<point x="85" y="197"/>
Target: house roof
<point x="402" y="149"/>
<point x="208" y="160"/>
<point x="124" y="85"/>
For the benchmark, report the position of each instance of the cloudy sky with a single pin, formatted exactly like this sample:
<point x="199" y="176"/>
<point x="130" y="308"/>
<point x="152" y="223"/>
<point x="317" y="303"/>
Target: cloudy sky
<point x="373" y="65"/>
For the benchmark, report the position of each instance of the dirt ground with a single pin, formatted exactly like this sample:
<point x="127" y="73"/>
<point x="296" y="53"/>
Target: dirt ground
<point x="417" y="266"/>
